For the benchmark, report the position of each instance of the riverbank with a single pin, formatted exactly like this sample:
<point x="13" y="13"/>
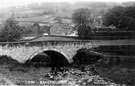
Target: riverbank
<point x="120" y="73"/>
<point x="118" y="65"/>
<point x="20" y="74"/>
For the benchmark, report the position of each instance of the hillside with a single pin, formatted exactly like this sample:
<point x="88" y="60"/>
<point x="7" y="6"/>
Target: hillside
<point x="41" y="12"/>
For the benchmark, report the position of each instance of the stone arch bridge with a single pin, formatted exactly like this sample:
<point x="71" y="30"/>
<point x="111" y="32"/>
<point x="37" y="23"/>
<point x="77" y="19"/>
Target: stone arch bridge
<point x="24" y="50"/>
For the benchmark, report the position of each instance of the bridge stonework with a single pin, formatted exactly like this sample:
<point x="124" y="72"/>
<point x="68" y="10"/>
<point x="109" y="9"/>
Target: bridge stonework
<point x="22" y="51"/>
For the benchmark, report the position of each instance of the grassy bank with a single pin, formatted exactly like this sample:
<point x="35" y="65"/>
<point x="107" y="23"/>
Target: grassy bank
<point x="122" y="73"/>
<point x="119" y="69"/>
<point x="116" y="63"/>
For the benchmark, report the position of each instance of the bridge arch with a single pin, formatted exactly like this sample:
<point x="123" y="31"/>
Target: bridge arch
<point x="58" y="57"/>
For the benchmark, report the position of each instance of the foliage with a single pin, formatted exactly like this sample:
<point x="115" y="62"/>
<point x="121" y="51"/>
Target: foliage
<point x="113" y="16"/>
<point x="84" y="31"/>
<point x="120" y="17"/>
<point x="36" y="27"/>
<point x="10" y="31"/>
<point x="84" y="56"/>
<point x="82" y="18"/>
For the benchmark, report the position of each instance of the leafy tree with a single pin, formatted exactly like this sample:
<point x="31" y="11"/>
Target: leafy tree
<point x="84" y="31"/>
<point x="10" y="31"/>
<point x="36" y="28"/>
<point x="113" y="17"/>
<point x="82" y="18"/>
<point x="120" y="17"/>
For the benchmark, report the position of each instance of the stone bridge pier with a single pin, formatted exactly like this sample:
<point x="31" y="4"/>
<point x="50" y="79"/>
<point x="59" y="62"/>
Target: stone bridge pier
<point x="23" y="51"/>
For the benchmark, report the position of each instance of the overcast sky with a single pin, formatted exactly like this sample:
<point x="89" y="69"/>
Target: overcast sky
<point x="8" y="3"/>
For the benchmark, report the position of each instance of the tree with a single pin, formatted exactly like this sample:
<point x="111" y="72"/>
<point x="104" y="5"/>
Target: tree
<point x="36" y="28"/>
<point x="84" y="31"/>
<point x="120" y="17"/>
<point x="82" y="19"/>
<point x="113" y="16"/>
<point x="10" y="31"/>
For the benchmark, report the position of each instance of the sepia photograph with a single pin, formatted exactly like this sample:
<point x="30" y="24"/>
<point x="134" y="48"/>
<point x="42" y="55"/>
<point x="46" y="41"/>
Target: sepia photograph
<point x="67" y="42"/>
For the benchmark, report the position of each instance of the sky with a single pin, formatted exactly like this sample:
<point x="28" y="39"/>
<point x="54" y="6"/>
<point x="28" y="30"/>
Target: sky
<point x="9" y="3"/>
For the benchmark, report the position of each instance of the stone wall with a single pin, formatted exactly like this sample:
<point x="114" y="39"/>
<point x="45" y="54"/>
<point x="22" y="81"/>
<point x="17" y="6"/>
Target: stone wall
<point x="24" y="51"/>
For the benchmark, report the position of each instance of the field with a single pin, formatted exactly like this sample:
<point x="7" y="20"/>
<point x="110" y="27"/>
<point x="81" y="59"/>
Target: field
<point x="37" y="19"/>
